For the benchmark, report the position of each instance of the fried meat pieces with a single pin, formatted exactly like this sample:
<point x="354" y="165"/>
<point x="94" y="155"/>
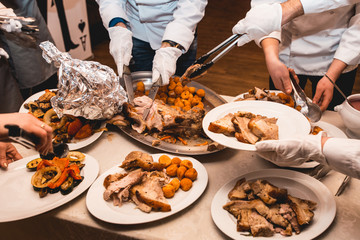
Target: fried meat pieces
<point x="142" y="183"/>
<point x="264" y="209"/>
<point x="246" y="127"/>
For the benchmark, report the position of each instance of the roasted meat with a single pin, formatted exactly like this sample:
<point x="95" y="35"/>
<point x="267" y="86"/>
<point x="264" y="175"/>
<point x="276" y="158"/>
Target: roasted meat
<point x="149" y="192"/>
<point x="138" y="159"/>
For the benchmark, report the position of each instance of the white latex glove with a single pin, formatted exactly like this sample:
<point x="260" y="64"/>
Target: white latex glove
<point x="3" y="53"/>
<point x="260" y="21"/>
<point x="164" y="64"/>
<point x="120" y="47"/>
<point x="9" y="25"/>
<point x="292" y="152"/>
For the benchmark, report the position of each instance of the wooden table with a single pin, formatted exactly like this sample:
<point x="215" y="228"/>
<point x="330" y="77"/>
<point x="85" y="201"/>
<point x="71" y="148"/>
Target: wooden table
<point x="73" y="221"/>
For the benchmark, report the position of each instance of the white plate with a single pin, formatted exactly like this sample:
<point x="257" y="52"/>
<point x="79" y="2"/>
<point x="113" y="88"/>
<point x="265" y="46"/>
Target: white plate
<point x="20" y="200"/>
<point x="290" y="121"/>
<point x="128" y="213"/>
<point x="241" y="96"/>
<point x="298" y="185"/>
<point x="76" y="144"/>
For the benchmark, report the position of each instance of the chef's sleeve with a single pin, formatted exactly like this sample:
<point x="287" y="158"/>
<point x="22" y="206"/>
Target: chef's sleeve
<point x="110" y="9"/>
<point x="349" y="47"/>
<point x="343" y="155"/>
<point x="316" y="6"/>
<point x="186" y="17"/>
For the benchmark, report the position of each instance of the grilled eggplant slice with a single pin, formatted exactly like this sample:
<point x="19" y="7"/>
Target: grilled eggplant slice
<point x="67" y="186"/>
<point x="32" y="165"/>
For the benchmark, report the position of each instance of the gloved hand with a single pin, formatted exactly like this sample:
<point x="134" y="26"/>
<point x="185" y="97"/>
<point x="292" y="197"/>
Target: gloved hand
<point x="120" y="47"/>
<point x="164" y="64"/>
<point x="260" y="21"/>
<point x="292" y="152"/>
<point x="9" y="25"/>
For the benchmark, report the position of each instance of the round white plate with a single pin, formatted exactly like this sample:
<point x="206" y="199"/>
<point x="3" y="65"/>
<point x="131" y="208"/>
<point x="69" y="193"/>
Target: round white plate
<point x="76" y="144"/>
<point x="241" y="96"/>
<point x="20" y="200"/>
<point x="291" y="122"/>
<point x="128" y="213"/>
<point x="298" y="185"/>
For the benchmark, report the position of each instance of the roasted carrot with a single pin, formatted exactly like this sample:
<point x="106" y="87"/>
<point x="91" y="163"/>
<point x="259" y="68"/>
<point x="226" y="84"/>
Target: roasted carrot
<point x="202" y="144"/>
<point x="182" y="140"/>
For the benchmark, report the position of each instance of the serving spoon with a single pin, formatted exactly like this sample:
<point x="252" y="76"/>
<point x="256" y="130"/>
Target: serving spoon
<point x="308" y="108"/>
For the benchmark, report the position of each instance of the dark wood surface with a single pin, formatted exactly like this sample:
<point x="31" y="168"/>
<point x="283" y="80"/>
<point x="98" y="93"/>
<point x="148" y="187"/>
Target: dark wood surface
<point x="241" y="69"/>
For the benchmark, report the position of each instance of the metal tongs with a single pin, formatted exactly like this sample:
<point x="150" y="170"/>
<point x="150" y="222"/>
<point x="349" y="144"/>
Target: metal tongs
<point x="308" y="108"/>
<point x="27" y="22"/>
<point x="230" y="43"/>
<point x="30" y="140"/>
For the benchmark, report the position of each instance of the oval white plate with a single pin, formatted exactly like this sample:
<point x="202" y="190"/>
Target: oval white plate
<point x="20" y="200"/>
<point x="128" y="213"/>
<point x="76" y="144"/>
<point x="290" y="121"/>
<point x="298" y="185"/>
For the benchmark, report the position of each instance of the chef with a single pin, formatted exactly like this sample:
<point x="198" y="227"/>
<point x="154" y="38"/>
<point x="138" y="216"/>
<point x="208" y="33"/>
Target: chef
<point x="158" y="35"/>
<point x="263" y="19"/>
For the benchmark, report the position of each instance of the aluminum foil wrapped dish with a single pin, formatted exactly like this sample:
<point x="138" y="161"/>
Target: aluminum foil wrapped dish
<point x="86" y="88"/>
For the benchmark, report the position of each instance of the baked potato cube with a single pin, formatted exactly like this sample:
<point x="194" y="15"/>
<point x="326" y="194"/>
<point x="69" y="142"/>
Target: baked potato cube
<point x="165" y="160"/>
<point x="176" y="161"/>
<point x="186" y="163"/>
<point x="176" y="183"/>
<point x="171" y="170"/>
<point x="185" y="184"/>
<point x="168" y="190"/>
<point x="191" y="173"/>
<point x="181" y="172"/>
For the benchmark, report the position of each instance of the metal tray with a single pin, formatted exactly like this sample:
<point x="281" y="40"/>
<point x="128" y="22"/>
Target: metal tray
<point x="211" y="101"/>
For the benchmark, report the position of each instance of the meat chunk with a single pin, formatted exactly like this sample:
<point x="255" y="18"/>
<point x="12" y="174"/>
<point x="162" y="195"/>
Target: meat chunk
<point x="131" y="179"/>
<point x="138" y="159"/>
<point x="238" y="191"/>
<point x="223" y="125"/>
<point x="149" y="192"/>
<point x="303" y="209"/>
<point x="267" y="192"/>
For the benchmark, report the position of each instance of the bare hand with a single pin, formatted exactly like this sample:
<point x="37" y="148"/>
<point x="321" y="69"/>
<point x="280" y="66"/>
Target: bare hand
<point x="324" y="93"/>
<point x="280" y="75"/>
<point x="8" y="154"/>
<point x="30" y="124"/>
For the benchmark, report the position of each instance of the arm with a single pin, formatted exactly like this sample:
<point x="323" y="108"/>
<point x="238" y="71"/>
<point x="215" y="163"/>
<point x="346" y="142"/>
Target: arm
<point x="277" y="70"/>
<point x="343" y="155"/>
<point x="110" y="9"/>
<point x="324" y="89"/>
<point x="346" y="54"/>
<point x="186" y="17"/>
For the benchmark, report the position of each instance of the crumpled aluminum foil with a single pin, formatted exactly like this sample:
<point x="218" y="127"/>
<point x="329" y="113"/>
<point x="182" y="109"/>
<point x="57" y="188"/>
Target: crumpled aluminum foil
<point x="86" y="88"/>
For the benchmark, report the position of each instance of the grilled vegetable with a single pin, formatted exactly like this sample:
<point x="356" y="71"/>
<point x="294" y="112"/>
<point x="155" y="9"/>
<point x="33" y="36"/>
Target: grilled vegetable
<point x="67" y="186"/>
<point x="32" y="165"/>
<point x="45" y="176"/>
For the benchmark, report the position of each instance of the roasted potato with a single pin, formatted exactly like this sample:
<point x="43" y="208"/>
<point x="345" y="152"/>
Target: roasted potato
<point x="165" y="160"/>
<point x="186" y="163"/>
<point x="181" y="172"/>
<point x="176" y="161"/>
<point x="191" y="173"/>
<point x="176" y="183"/>
<point x="168" y="190"/>
<point x="185" y="184"/>
<point x="172" y="170"/>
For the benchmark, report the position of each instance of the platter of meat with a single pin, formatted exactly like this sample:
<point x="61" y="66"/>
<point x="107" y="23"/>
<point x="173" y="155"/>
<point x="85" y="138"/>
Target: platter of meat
<point x="75" y="131"/>
<point x="16" y="183"/>
<point x="175" y="118"/>
<point x="232" y="124"/>
<point x="275" y="204"/>
<point x="141" y="189"/>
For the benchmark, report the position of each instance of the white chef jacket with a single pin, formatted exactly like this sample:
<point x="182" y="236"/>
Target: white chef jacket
<point x="343" y="155"/>
<point x="157" y="20"/>
<point x="316" y="6"/>
<point x="309" y="43"/>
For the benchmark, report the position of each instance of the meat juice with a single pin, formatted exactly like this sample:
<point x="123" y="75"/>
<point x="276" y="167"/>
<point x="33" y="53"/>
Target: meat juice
<point x="355" y="103"/>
